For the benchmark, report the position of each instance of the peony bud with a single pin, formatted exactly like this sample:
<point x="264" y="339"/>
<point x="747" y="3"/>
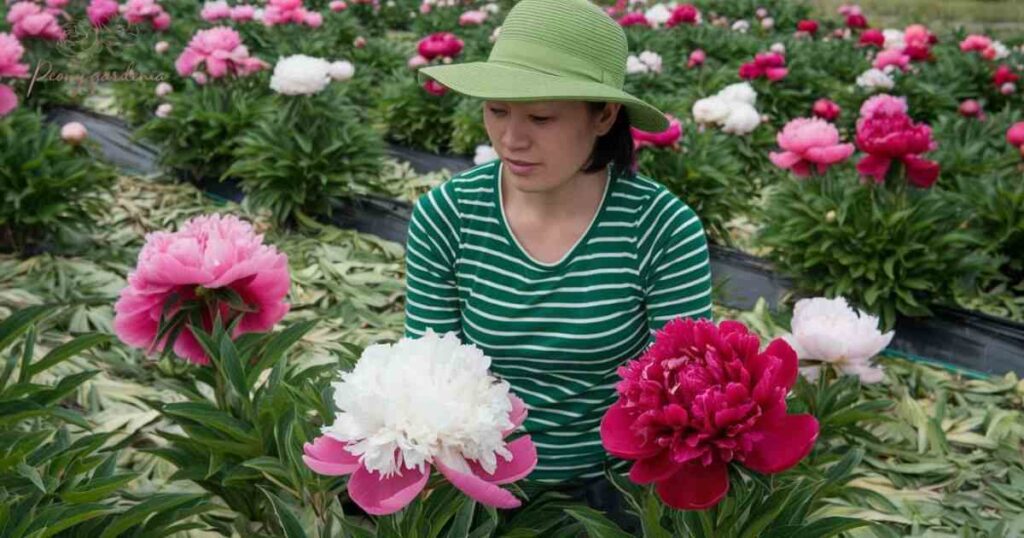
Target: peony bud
<point x="417" y="61"/>
<point x="830" y="216"/>
<point x="161" y="47"/>
<point x="73" y="133"/>
<point x="1008" y="89"/>
<point x="163" y="89"/>
<point x="761" y="12"/>
<point x="767" y="23"/>
<point x="970" y="108"/>
<point x="359" y="42"/>
<point x="778" y="48"/>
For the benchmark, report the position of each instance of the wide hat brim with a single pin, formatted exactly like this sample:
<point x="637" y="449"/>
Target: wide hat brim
<point x="489" y="80"/>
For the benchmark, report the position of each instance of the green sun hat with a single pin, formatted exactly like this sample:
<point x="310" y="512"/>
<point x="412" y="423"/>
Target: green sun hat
<point x="551" y="50"/>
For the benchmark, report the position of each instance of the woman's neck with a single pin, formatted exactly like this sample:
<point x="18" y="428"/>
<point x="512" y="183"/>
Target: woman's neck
<point x="577" y="198"/>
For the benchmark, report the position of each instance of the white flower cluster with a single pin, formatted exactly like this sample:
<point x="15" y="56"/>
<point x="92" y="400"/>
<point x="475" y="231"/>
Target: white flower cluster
<point x="405" y="404"/>
<point x="732" y="109"/>
<point x="484" y="154"/>
<point x="647" y="62"/>
<point x="305" y="75"/>
<point x="875" y="79"/>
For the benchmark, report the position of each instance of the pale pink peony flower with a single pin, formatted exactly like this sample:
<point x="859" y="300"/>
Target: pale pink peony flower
<point x="8" y="100"/>
<point x="186" y="268"/>
<point x="338" y="5"/>
<point x="286" y="11"/>
<point x="697" y="58"/>
<point x="884" y="104"/>
<point x="214" y="11"/>
<point x="29" y="20"/>
<point x="221" y="50"/>
<point x="73" y="133"/>
<point x="161" y="47"/>
<point x="975" y="43"/>
<point x="140" y="11"/>
<point x="807" y="142"/>
<point x="474" y="17"/>
<point x="359" y="42"/>
<point x="417" y="61"/>
<point x="164" y="110"/>
<point x="893" y="57"/>
<point x="243" y="13"/>
<point x="313" y="19"/>
<point x="163" y="88"/>
<point x="11" y="52"/>
<point x="101" y="12"/>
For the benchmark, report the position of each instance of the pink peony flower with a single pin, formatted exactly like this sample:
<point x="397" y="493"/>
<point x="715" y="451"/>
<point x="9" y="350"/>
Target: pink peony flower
<point x="970" y="108"/>
<point x="872" y="38"/>
<point x="8" y="100"/>
<point x="697" y="58"/>
<point x="139" y="11"/>
<point x="440" y="44"/>
<point x="435" y="88"/>
<point x="1015" y="134"/>
<point x="684" y="14"/>
<point x="807" y="26"/>
<point x="285" y="12"/>
<point x="806" y="142"/>
<point x="669" y="138"/>
<point x="894" y="57"/>
<point x="917" y="35"/>
<point x="634" y="19"/>
<point x="770" y="65"/>
<point x="856" y="21"/>
<point x="242" y="13"/>
<point x="101" y="12"/>
<point x="214" y="11"/>
<point x="11" y="52"/>
<point x="337" y="5"/>
<point x="826" y="109"/>
<point x="700" y="397"/>
<point x="975" y="43"/>
<point x="29" y="20"/>
<point x="313" y="19"/>
<point x="885" y="132"/>
<point x="417" y="61"/>
<point x="73" y="133"/>
<point x="474" y="17"/>
<point x="222" y="51"/>
<point x="849" y="9"/>
<point x="186" y="268"/>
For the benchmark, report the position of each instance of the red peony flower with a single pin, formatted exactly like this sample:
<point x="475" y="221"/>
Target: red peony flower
<point x="807" y="26"/>
<point x="435" y="88"/>
<point x="684" y="14"/>
<point x="872" y="38"/>
<point x="856" y="21"/>
<point x="885" y="132"/>
<point x="440" y="44"/>
<point x="1004" y="74"/>
<point x="633" y="19"/>
<point x="770" y="65"/>
<point x="700" y="397"/>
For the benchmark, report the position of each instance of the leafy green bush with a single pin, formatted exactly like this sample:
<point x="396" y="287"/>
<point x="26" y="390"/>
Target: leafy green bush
<point x="311" y="151"/>
<point x="414" y="117"/>
<point x="48" y="185"/>
<point x="890" y="249"/>
<point x="468" y="127"/>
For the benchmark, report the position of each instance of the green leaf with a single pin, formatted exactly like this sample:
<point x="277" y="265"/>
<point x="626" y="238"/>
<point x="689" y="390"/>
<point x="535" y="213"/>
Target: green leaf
<point x="277" y="346"/>
<point x="32" y="475"/>
<point x="142" y="511"/>
<point x="208" y="415"/>
<point x="286" y="519"/>
<point x="822" y="528"/>
<point x="68" y="350"/>
<point x="233" y="367"/>
<point x="596" y="524"/>
<point x="19" y="322"/>
<point x="463" y="520"/>
<point x="57" y="518"/>
<point x="97" y="489"/>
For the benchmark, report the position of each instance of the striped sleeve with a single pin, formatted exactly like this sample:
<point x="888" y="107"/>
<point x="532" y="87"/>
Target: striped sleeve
<point x="431" y="251"/>
<point x="676" y="267"/>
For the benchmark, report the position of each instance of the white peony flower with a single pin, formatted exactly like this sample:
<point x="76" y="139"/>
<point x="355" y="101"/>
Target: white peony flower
<point x="658" y="15"/>
<point x="875" y="79"/>
<point x="484" y="154"/>
<point x="163" y="89"/>
<point x="300" y="75"/>
<point x="164" y="110"/>
<point x="407" y="404"/>
<point x="778" y="48"/>
<point x="828" y="330"/>
<point x="1000" y="50"/>
<point x="712" y="109"/>
<point x="741" y="26"/>
<point x="740" y="91"/>
<point x="894" y="39"/>
<point x="341" y="70"/>
<point x="743" y="119"/>
<point x="635" y="66"/>
<point x="652" y="59"/>
<point x="492" y="8"/>
<point x="767" y="23"/>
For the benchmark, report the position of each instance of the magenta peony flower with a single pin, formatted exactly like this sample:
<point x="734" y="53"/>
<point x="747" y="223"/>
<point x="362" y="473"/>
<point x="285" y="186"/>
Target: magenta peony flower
<point x="101" y="12"/>
<point x="435" y="88"/>
<point x="872" y="38"/>
<point x="970" y="108"/>
<point x="806" y="142"/>
<point x="807" y="26"/>
<point x="770" y="65"/>
<point x="11" y="52"/>
<point x="139" y="11"/>
<point x="826" y="109"/>
<point x="242" y="13"/>
<point x="1004" y="75"/>
<point x="975" y="43"/>
<point x="290" y="11"/>
<point x="684" y="14"/>
<point x="697" y="58"/>
<point x="885" y="132"/>
<point x="1015" y="134"/>
<point x="669" y="138"/>
<point x="440" y="44"/>
<point x="856" y="21"/>
<point x="208" y="253"/>
<point x="634" y="19"/>
<point x="700" y="397"/>
<point x="8" y="100"/>
<point x="221" y="49"/>
<point x="894" y="57"/>
<point x="30" y="20"/>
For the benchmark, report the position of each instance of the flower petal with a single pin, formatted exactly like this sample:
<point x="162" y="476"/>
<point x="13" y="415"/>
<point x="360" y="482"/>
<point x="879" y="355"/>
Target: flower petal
<point x="327" y="455"/>
<point x="524" y="459"/>
<point x="829" y="154"/>
<point x="477" y="488"/>
<point x="381" y="496"/>
<point x="517" y="415"/>
<point x="695" y="486"/>
<point x="657" y="467"/>
<point x="782" y="443"/>
<point x="618" y="437"/>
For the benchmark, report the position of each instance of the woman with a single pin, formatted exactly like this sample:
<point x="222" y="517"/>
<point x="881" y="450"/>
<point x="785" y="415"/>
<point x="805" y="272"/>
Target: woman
<point x="557" y="260"/>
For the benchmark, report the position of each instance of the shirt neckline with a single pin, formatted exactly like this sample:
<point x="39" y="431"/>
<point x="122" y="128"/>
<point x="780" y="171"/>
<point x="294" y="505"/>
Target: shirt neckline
<point x="575" y="247"/>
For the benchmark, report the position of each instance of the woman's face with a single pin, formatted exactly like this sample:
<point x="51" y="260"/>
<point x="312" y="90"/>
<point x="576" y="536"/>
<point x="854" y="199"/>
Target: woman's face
<point x="544" y="144"/>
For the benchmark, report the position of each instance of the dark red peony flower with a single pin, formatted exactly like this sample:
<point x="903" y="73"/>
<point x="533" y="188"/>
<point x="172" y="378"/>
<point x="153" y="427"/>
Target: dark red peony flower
<point x="807" y="26"/>
<point x="700" y="397"/>
<point x="873" y="38"/>
<point x="770" y="65"/>
<point x="684" y="14"/>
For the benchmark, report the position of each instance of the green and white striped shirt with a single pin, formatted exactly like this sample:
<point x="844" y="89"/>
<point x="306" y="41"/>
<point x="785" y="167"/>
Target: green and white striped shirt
<point x="556" y="332"/>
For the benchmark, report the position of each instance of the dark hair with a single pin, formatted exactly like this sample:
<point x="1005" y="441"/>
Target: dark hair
<point x="615" y="146"/>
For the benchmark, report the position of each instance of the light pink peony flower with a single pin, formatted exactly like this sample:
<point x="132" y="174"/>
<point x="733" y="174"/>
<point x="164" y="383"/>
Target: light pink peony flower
<point x="809" y="141"/>
<point x="186" y="267"/>
<point x="11" y="52"/>
<point x="29" y="20"/>
<point x="214" y="11"/>
<point x="337" y="5"/>
<point x="242" y="13"/>
<point x="164" y="110"/>
<point x="140" y="11"/>
<point x="313" y="19"/>
<point x="697" y="58"/>
<point x="701" y="397"/>
<point x="894" y="57"/>
<point x="474" y="17"/>
<point x="73" y="133"/>
<point x="1015" y="134"/>
<point x="417" y="61"/>
<point x="101" y="12"/>
<point x="287" y="11"/>
<point x="975" y="43"/>
<point x="221" y="50"/>
<point x="161" y="47"/>
<point x="8" y="100"/>
<point x="669" y="138"/>
<point x="826" y="109"/>
<point x="884" y="104"/>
